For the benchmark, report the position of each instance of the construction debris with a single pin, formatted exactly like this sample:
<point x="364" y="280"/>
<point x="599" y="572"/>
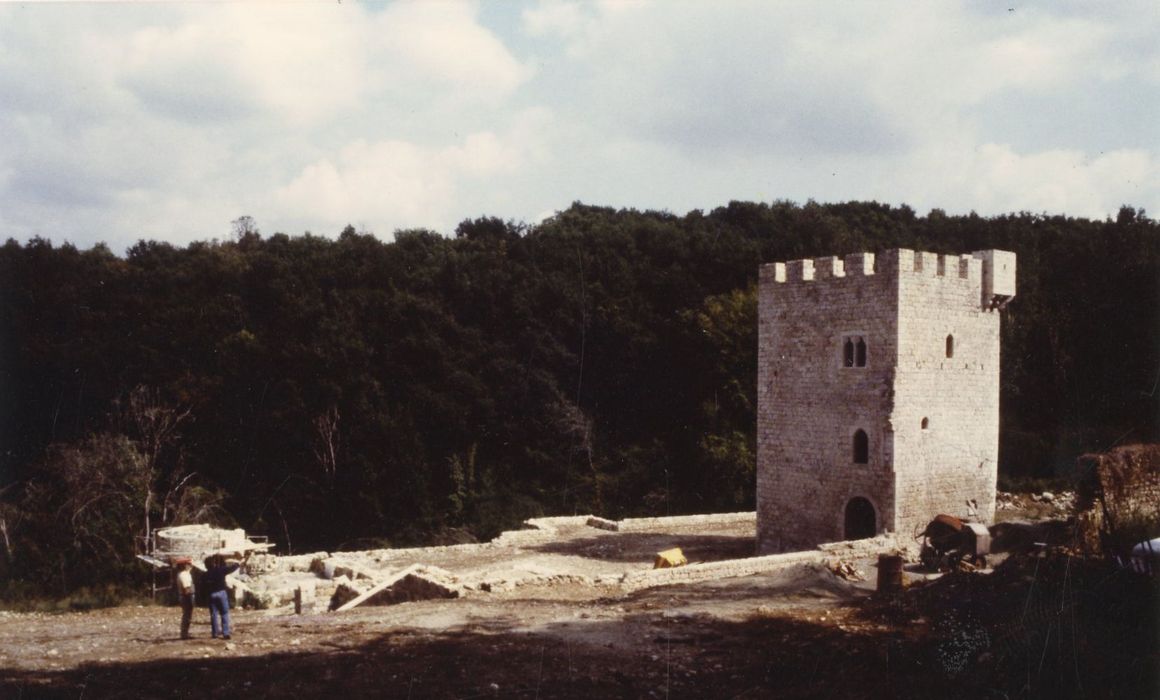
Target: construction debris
<point x="847" y="571"/>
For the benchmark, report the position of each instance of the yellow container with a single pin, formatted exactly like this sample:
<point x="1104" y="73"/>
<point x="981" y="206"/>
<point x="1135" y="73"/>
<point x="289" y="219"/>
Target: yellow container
<point x="670" y="558"/>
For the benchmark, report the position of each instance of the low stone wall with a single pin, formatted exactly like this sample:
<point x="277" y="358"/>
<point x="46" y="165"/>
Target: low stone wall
<point x="296" y="562"/>
<point x="602" y="523"/>
<point x="856" y="549"/>
<point x="708" y="571"/>
<point x="538" y="531"/>
<point x="412" y="551"/>
<point x="828" y="553"/>
<point x="674" y="522"/>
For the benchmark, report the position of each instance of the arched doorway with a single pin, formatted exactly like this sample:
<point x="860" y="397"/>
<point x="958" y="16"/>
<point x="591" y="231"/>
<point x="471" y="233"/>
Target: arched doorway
<point x="861" y="521"/>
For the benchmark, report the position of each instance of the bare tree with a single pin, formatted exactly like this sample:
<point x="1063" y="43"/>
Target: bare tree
<point x="7" y="511"/>
<point x="7" y="540"/>
<point x="94" y="487"/>
<point x="573" y="422"/>
<point x="155" y="423"/>
<point x="326" y="442"/>
<point x="243" y="226"/>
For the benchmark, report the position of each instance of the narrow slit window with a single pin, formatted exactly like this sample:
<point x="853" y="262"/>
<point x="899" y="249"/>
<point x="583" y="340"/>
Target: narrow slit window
<point x="848" y="353"/>
<point x="861" y="447"/>
<point x="950" y="346"/>
<point x="925" y="423"/>
<point x="860" y="353"/>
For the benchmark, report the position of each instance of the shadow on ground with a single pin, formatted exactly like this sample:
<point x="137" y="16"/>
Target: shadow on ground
<point x="805" y="582"/>
<point x="643" y="547"/>
<point x="685" y="657"/>
<point x="1037" y="627"/>
<point x="1023" y="536"/>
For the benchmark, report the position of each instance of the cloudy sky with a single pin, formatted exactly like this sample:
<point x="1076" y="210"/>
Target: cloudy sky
<point x="167" y="121"/>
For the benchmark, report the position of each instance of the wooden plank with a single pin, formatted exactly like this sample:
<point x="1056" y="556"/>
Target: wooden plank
<point x="387" y="583"/>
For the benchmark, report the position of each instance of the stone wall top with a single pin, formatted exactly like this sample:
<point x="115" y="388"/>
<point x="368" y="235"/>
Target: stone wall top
<point x="991" y="272"/>
<point x="897" y="261"/>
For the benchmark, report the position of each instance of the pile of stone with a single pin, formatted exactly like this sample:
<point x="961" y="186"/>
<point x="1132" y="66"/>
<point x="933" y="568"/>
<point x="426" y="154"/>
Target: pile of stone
<point x="1061" y="503"/>
<point x="1048" y="503"/>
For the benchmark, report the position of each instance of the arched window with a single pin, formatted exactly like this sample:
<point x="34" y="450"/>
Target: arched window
<point x="950" y="346"/>
<point x="853" y="351"/>
<point x="925" y="422"/>
<point x="861" y="447"/>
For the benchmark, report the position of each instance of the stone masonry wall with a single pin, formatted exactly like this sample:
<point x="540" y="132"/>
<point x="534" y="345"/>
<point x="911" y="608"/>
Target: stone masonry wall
<point x="953" y="460"/>
<point x="903" y="305"/>
<point x="810" y="404"/>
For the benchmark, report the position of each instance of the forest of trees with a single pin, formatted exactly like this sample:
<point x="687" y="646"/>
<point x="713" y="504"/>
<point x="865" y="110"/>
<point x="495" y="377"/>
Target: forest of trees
<point x="349" y="392"/>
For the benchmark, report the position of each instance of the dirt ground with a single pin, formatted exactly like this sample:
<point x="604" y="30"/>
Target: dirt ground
<point x="1041" y="624"/>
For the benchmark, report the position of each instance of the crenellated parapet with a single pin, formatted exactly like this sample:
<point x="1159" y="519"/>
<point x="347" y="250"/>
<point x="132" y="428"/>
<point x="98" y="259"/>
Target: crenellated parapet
<point x="811" y="269"/>
<point x="991" y="273"/>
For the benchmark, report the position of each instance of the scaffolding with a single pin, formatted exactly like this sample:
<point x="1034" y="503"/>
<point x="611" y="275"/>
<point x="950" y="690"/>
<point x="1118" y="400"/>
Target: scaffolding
<point x="163" y="547"/>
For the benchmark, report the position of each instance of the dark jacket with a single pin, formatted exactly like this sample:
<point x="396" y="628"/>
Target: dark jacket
<point x="214" y="579"/>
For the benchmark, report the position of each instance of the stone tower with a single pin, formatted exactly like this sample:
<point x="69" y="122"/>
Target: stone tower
<point x="878" y="393"/>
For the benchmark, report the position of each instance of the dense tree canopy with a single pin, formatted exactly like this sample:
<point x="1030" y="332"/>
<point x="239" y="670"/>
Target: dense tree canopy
<point x="342" y="392"/>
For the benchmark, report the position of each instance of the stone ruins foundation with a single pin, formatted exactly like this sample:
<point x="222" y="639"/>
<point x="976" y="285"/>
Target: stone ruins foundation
<point x="878" y="393"/>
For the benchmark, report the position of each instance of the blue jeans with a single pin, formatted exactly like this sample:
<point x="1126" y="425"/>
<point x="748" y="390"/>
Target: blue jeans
<point x="219" y="604"/>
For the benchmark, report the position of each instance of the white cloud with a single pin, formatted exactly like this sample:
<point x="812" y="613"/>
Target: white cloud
<point x="185" y="110"/>
<point x="1001" y="179"/>
<point x="387" y="180"/>
<point x="899" y="102"/>
<point x="399" y="184"/>
<point x="555" y="18"/>
<point x="442" y="42"/>
<point x="310" y="62"/>
<point x="169" y="120"/>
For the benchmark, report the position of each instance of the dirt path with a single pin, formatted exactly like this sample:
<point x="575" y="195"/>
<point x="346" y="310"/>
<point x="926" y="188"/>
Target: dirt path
<point x="559" y="644"/>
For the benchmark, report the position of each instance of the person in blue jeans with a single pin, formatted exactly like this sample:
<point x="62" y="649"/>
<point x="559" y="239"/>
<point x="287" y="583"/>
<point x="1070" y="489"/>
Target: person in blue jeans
<point x="214" y="582"/>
